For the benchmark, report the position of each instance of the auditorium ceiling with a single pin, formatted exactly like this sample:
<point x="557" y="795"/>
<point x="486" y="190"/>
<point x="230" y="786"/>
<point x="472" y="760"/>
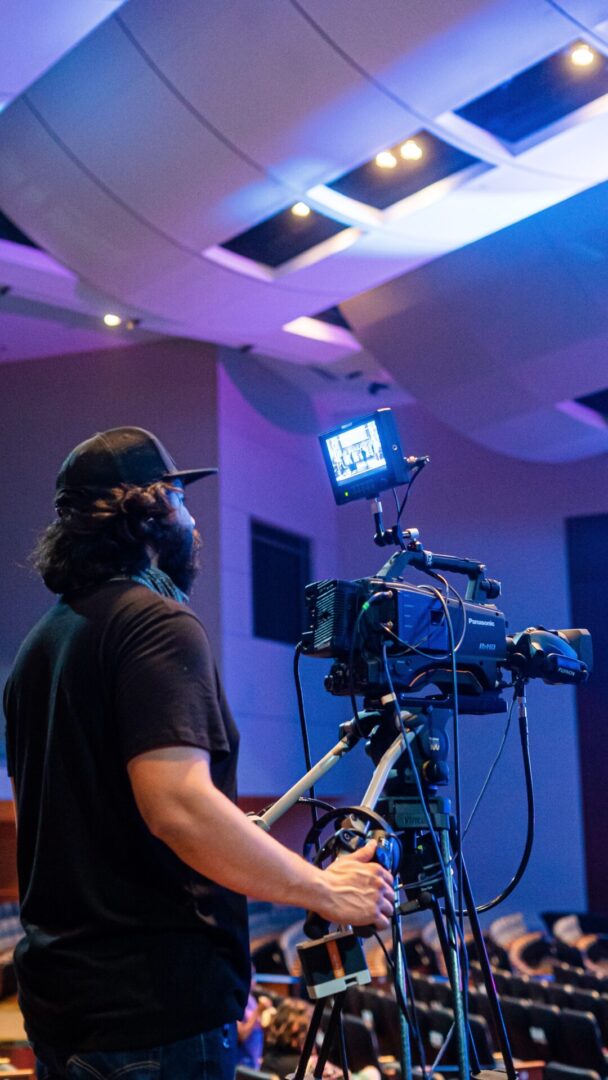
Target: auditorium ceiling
<point x="376" y="201"/>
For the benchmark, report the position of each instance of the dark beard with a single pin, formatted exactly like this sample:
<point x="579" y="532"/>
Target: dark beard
<point x="178" y="555"/>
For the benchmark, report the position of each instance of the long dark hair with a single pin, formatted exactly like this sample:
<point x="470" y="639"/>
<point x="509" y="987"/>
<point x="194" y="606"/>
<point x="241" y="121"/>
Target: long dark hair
<point x="94" y="539"/>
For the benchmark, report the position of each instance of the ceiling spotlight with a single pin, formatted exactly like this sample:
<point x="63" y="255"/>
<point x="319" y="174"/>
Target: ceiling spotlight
<point x="385" y="160"/>
<point x="112" y="320"/>
<point x="411" y="150"/>
<point x="300" y="209"/>
<point x="582" y="55"/>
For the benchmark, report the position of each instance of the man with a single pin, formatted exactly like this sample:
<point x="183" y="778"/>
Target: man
<point x="133" y="859"/>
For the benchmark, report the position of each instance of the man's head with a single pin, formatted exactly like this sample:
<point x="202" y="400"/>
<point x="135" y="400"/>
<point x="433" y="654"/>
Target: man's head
<point x="120" y="506"/>
<point x="124" y="455"/>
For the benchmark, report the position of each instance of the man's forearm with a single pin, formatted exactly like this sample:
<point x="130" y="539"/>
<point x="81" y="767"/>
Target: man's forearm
<point x="213" y="836"/>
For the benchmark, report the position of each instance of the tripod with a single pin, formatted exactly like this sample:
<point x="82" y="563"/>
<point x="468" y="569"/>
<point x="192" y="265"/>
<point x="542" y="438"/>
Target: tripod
<point x="428" y="841"/>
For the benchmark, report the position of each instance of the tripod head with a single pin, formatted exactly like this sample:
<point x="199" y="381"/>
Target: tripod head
<point x="427" y="721"/>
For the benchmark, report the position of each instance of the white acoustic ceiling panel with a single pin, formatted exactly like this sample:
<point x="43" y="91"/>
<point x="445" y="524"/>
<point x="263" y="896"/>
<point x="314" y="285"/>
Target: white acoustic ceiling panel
<point x="587" y="13"/>
<point x="37" y="33"/>
<point x="496" y="337"/>
<point x="547" y="434"/>
<point x="264" y="77"/>
<point x="218" y="305"/>
<point x="70" y="215"/>
<point x="142" y="144"/>
<point x="436" y="55"/>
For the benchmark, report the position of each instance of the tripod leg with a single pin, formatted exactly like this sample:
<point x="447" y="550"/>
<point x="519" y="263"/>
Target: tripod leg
<point x="497" y="1017"/>
<point x="404" y="1031"/>
<point x="343" y="1050"/>
<point x="309" y="1043"/>
<point x="334" y="1028"/>
<point x="446" y="949"/>
<point x="453" y="967"/>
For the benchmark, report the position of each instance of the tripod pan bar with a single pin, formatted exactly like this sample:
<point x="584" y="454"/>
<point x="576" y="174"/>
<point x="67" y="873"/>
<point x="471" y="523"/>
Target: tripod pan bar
<point x="290" y="798"/>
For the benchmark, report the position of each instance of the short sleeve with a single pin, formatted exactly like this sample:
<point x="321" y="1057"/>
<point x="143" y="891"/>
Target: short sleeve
<point x="10" y="750"/>
<point x="165" y="685"/>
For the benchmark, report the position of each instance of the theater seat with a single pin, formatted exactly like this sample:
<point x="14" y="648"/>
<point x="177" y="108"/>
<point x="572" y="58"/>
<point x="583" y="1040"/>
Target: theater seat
<point x="361" y="1045"/>
<point x="524" y="1045"/>
<point x="439" y="1023"/>
<point x="581" y="1041"/>
<point x="243" y="1072"/>
<point x="554" y="1071"/>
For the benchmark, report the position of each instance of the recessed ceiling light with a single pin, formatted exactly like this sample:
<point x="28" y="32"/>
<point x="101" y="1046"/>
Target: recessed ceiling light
<point x="385" y="160"/>
<point x="300" y="209"/>
<point x="112" y="320"/>
<point x="582" y="55"/>
<point x="411" y="150"/>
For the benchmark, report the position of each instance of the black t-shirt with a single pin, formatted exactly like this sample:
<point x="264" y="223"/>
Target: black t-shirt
<point x="125" y="945"/>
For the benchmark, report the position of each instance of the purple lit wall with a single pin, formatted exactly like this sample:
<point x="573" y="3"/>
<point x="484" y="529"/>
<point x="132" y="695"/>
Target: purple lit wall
<point x="48" y="406"/>
<point x="277" y="478"/>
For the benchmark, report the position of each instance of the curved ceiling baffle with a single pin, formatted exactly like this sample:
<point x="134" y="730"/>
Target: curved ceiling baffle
<point x="148" y="159"/>
<point x="37" y="33"/>
<point x="501" y="337"/>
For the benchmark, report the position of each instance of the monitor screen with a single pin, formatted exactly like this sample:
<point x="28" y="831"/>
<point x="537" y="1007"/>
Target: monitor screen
<point x="356" y="452"/>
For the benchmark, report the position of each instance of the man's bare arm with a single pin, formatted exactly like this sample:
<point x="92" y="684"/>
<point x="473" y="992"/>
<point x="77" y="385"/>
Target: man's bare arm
<point x="182" y="807"/>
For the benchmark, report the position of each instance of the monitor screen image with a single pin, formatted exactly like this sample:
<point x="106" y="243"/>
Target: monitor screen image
<point x="356" y="452"/>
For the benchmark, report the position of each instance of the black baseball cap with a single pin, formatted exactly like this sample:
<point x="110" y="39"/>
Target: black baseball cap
<point x="123" y="455"/>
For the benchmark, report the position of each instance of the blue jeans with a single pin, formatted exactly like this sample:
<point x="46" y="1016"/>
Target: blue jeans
<point x="210" y="1056"/>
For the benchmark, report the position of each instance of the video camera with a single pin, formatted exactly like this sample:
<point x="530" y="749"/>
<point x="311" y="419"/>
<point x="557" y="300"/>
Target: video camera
<point x="373" y="623"/>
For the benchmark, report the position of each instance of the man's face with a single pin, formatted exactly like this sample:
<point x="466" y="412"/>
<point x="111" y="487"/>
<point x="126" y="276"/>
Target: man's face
<point x="180" y="542"/>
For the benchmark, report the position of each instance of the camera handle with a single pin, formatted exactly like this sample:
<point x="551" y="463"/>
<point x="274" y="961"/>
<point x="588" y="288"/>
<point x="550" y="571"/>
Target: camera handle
<point x="351" y="732"/>
<point x="480" y="589"/>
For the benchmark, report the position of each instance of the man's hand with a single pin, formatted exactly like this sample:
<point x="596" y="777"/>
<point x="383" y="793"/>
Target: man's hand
<point x="360" y="892"/>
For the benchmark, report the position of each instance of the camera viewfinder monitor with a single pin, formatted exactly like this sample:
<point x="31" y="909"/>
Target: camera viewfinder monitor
<point x="364" y="457"/>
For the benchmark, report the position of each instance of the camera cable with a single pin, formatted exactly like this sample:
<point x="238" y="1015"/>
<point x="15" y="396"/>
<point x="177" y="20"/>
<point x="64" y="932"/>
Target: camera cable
<point x="451" y="655"/>
<point x="408" y="1009"/>
<point x="449" y="906"/>
<point x="524" y="739"/>
<point x="519" y="696"/>
<point x="454" y="914"/>
<point x="459" y="836"/>
<point x="416" y="472"/>
<point x="408" y="646"/>
<point x="492" y="769"/>
<point x="443" y="601"/>
<point x="375" y="598"/>
<point x="312" y="801"/>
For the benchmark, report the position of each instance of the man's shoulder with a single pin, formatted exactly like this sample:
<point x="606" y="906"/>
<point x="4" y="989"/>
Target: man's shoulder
<point x="127" y="607"/>
<point x="40" y="633"/>
<point x="123" y="594"/>
<point x="132" y="597"/>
